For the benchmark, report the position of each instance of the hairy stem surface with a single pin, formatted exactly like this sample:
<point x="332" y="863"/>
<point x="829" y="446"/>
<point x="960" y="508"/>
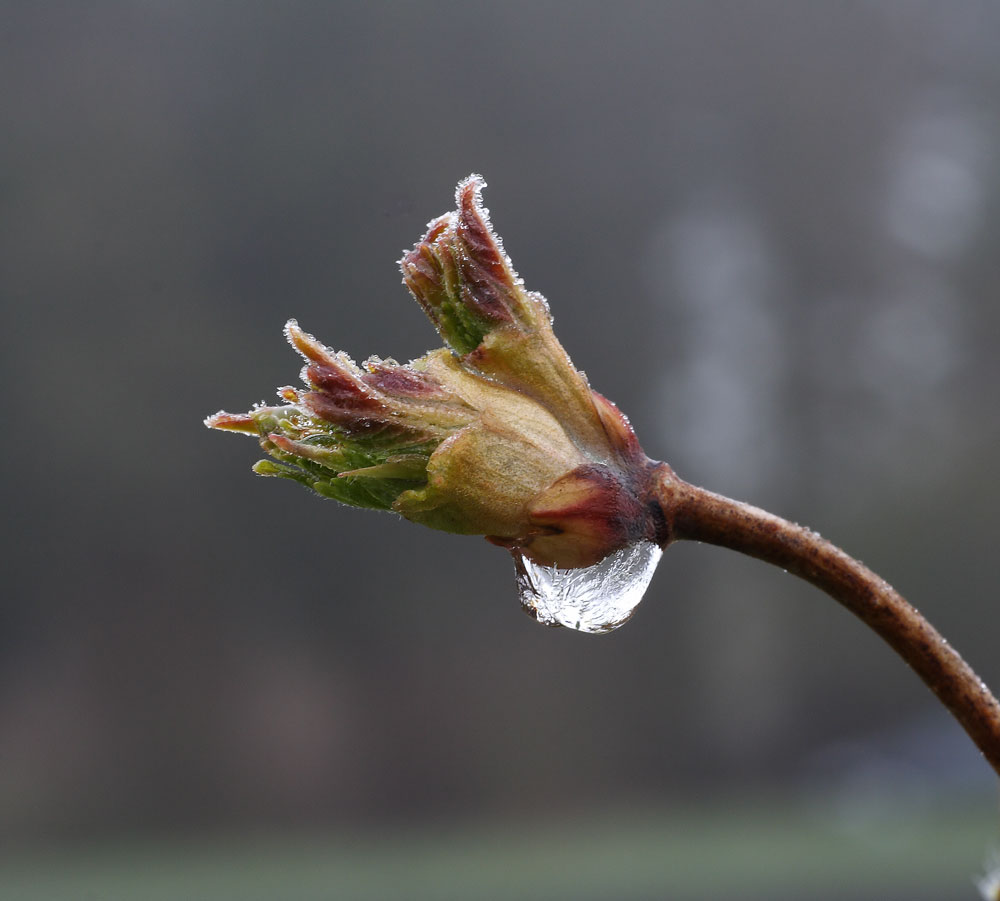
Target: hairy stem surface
<point x="699" y="515"/>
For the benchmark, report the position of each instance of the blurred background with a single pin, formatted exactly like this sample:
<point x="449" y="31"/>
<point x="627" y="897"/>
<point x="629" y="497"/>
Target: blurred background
<point x="769" y="231"/>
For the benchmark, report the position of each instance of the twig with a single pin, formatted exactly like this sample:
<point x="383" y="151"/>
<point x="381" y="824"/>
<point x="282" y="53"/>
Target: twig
<point x="699" y="515"/>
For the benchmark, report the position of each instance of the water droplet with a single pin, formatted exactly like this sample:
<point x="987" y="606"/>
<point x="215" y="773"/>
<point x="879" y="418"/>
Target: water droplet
<point x="597" y="598"/>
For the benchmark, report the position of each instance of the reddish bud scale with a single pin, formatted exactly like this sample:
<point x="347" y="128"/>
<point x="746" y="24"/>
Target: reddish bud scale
<point x="399" y="381"/>
<point x="486" y="278"/>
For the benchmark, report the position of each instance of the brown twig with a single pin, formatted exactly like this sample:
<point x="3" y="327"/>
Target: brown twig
<point x="700" y="515"/>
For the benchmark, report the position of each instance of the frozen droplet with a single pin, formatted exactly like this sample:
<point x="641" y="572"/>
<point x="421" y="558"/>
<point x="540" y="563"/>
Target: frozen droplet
<point x="989" y="885"/>
<point x="596" y="598"/>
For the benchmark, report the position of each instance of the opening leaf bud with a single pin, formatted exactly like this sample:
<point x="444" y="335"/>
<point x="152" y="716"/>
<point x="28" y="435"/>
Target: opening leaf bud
<point x="498" y="434"/>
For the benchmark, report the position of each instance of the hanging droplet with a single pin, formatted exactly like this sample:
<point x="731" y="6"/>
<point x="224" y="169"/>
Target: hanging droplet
<point x="596" y="598"/>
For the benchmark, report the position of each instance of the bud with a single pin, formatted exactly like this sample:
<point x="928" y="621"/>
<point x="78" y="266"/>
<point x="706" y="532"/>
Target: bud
<point x="497" y="434"/>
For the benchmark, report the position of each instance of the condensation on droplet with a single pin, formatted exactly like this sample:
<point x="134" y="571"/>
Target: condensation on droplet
<point x="596" y="598"/>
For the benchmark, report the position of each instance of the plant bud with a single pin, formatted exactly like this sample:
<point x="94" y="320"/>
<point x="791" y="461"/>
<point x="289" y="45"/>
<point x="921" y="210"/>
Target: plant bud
<point x="497" y="434"/>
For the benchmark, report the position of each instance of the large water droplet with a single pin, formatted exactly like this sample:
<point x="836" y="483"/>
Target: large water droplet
<point x="596" y="598"/>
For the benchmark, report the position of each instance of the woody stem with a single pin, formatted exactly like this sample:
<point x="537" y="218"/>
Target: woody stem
<point x="699" y="515"/>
